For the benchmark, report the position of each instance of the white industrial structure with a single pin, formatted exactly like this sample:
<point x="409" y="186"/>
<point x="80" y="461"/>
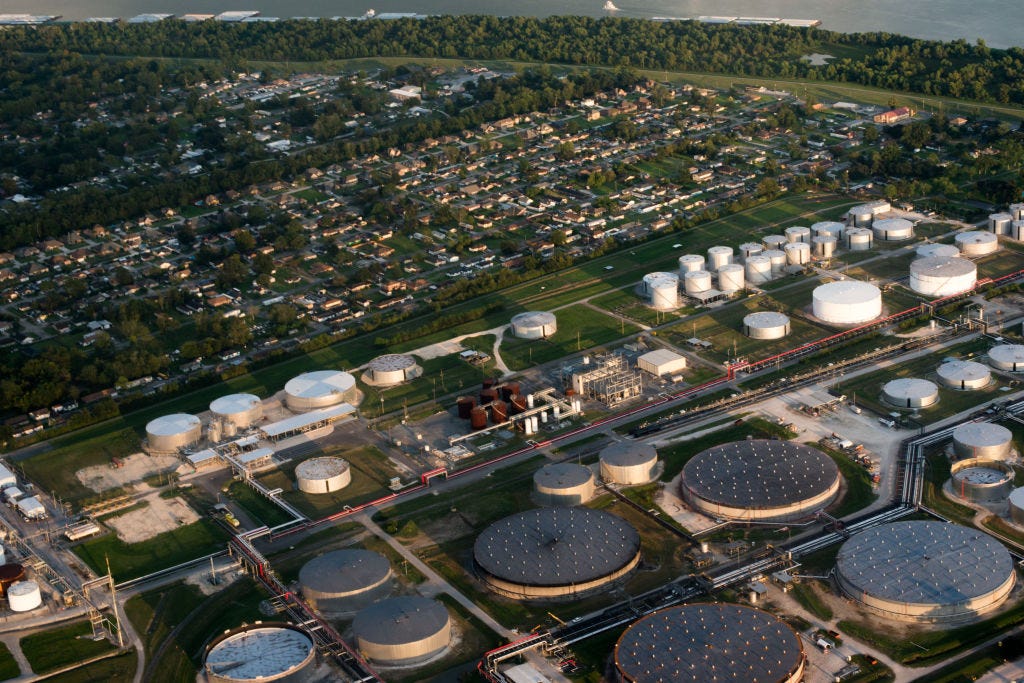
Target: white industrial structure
<point x="798" y="253"/>
<point x="169" y="433"/>
<point x="758" y="269"/>
<point x="325" y="474"/>
<point x="864" y="214"/>
<point x="748" y="249"/>
<point x="910" y="392"/>
<point x="828" y="229"/>
<point x="402" y="631"/>
<point x="564" y="483"/>
<point x="966" y="375"/>
<point x="1017" y="506"/>
<point x="983" y="440"/>
<point x="935" y="276"/>
<point x="718" y="257"/>
<point x="240" y="410"/>
<point x="775" y="242"/>
<point x="847" y="302"/>
<point x="391" y="370"/>
<point x="689" y="263"/>
<point x="730" y="278"/>
<point x="534" y="325"/>
<point x="999" y="223"/>
<point x="628" y="463"/>
<point x="766" y="325"/>
<point x="662" y="290"/>
<point x="893" y="229"/>
<point x="696" y="282"/>
<point x="933" y="250"/>
<point x="977" y="243"/>
<point x="778" y="259"/>
<point x="823" y="246"/>
<point x="661" y="362"/>
<point x="859" y="239"/>
<point x="24" y="596"/>
<point x="1008" y="357"/>
<point x="320" y="389"/>
<point x="798" y="233"/>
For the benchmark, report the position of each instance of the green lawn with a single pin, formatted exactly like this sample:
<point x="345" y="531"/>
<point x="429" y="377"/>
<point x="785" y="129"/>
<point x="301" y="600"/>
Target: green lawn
<point x="579" y="328"/>
<point x="859" y="491"/>
<point x="154" y="614"/>
<point x="118" y="669"/>
<point x="676" y="456"/>
<point x="258" y="507"/>
<point x="8" y="665"/>
<point x="54" y="649"/>
<point x="128" y="561"/>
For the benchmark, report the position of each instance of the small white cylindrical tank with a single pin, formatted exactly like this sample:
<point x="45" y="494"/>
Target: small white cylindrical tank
<point x="718" y="257"/>
<point x="323" y="475"/>
<point x="697" y="281"/>
<point x="942" y="276"/>
<point x="893" y="229"/>
<point x="690" y="262"/>
<point x="982" y="440"/>
<point x="828" y="229"/>
<point x="766" y="325"/>
<point x="663" y="290"/>
<point x="966" y="375"/>
<point x="1017" y="211"/>
<point x="860" y="216"/>
<point x="859" y="239"/>
<point x="823" y="246"/>
<point x="910" y="392"/>
<point x="1007" y="357"/>
<point x="628" y="463"/>
<point x="774" y="242"/>
<point x="999" y="223"/>
<point x="243" y="410"/>
<point x="778" y="259"/>
<point x="977" y="243"/>
<point x="24" y="596"/>
<point x="748" y="249"/>
<point x="534" y="324"/>
<point x="563" y="483"/>
<point x="798" y="253"/>
<point x="1017" y="231"/>
<point x="847" y="302"/>
<point x="937" y="251"/>
<point x="730" y="277"/>
<point x="798" y="233"/>
<point x="758" y="269"/>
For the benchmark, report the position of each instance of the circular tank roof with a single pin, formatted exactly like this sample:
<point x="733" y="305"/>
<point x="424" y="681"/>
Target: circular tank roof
<point x="982" y="434"/>
<point x="708" y="642"/>
<point x="259" y="652"/>
<point x="392" y="362"/>
<point x="892" y="224"/>
<point x="910" y="388"/>
<point x="534" y="319"/>
<point x="1017" y="497"/>
<point x="766" y="319"/>
<point x="234" y="403"/>
<point x="976" y="237"/>
<point x="320" y="383"/>
<point x="660" y="278"/>
<point x="628" y="454"/>
<point x="850" y="292"/>
<point x="169" y="425"/>
<point x="937" y="266"/>
<point x="342" y="572"/>
<point x="400" y="621"/>
<point x="963" y="370"/>
<point x="923" y="562"/>
<point x="563" y="475"/>
<point x="937" y="250"/>
<point x="321" y="468"/>
<point x="759" y="474"/>
<point x="556" y="546"/>
<point x="1007" y="353"/>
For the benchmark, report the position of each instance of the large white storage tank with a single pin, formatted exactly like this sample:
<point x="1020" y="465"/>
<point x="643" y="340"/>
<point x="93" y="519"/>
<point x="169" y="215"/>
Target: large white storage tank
<point x="534" y="325"/>
<point x="942" y="276"/>
<point x="690" y="262"/>
<point x="828" y="229"/>
<point x="893" y="229"/>
<point x="718" y="257"/>
<point x="977" y="243"/>
<point x="169" y="433"/>
<point x="697" y="281"/>
<point x="798" y="233"/>
<point x="1016" y="231"/>
<point x="966" y="375"/>
<point x="730" y="277"/>
<point x="774" y="242"/>
<point x="999" y="223"/>
<point x="798" y="253"/>
<point x="325" y="474"/>
<point x="563" y="483"/>
<point x="847" y="302"/>
<point x="910" y="392"/>
<point x="345" y="580"/>
<point x="281" y="653"/>
<point x="628" y="463"/>
<point x="24" y="596"/>
<point x="778" y="259"/>
<point x="859" y="239"/>
<point x="241" y="410"/>
<point x="403" y="630"/>
<point x="766" y="325"/>
<point x="983" y="440"/>
<point x="933" y="250"/>
<point x="758" y="269"/>
<point x="319" y="389"/>
<point x="748" y="249"/>
<point x="863" y="214"/>
<point x="662" y="290"/>
<point x="1007" y="357"/>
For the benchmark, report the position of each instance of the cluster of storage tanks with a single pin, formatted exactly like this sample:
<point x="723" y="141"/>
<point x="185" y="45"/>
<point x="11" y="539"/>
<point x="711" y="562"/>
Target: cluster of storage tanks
<point x="1010" y="223"/>
<point x="624" y="463"/>
<point x="946" y="269"/>
<point x="21" y="593"/>
<point x="503" y="401"/>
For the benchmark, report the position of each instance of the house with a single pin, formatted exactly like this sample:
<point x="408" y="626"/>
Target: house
<point x="895" y="115"/>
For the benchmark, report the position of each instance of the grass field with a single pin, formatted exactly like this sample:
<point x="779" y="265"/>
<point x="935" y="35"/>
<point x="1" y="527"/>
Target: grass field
<point x="116" y="669"/>
<point x="258" y="507"/>
<point x="579" y="328"/>
<point x="128" y="561"/>
<point x="859" y="491"/>
<point x="54" y="649"/>
<point x="154" y="615"/>
<point x="8" y="665"/>
<point x="54" y="470"/>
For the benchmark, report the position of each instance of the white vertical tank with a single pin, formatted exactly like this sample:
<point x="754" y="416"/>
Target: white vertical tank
<point x="823" y="246"/>
<point x="798" y="233"/>
<point x="859" y="239"/>
<point x="1017" y="230"/>
<point x="1017" y="211"/>
<point x="758" y="269"/>
<point x="730" y="277"/>
<point x="663" y="290"/>
<point x="999" y="223"/>
<point x="828" y="229"/>
<point x="748" y="249"/>
<point x="697" y="281"/>
<point x="690" y="262"/>
<point x="24" y="596"/>
<point x="798" y="253"/>
<point x="773" y="241"/>
<point x="718" y="257"/>
<point x="778" y="259"/>
<point x="977" y="243"/>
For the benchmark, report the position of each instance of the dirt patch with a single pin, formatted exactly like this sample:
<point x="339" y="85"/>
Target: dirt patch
<point x="158" y="516"/>
<point x="134" y="469"/>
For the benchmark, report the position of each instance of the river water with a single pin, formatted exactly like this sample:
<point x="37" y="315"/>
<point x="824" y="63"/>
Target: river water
<point x="999" y="22"/>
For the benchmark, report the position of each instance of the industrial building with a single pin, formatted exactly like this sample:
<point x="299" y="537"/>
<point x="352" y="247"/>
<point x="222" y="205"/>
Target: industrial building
<point x="534" y="325"/>
<point x="628" y="463"/>
<point x="307" y="422"/>
<point x="391" y="370"/>
<point x="977" y="243"/>
<point x="910" y="392"/>
<point x="169" y="433"/>
<point x="965" y="375"/>
<point x="760" y="480"/>
<point x="563" y="483"/>
<point x="925" y="571"/>
<point x="1009" y="357"/>
<point x="981" y="481"/>
<point x="661" y="362"/>
<point x="935" y="276"/>
<point x="556" y="552"/>
<point x="325" y="474"/>
<point x="320" y="389"/>
<point x="766" y="325"/>
<point x="240" y="410"/>
<point x="609" y="379"/>
<point x="402" y="631"/>
<point x="280" y="653"/>
<point x="661" y="290"/>
<point x="700" y="643"/>
<point x="847" y="302"/>
<point x="983" y="440"/>
<point x="892" y="229"/>
<point x="345" y="580"/>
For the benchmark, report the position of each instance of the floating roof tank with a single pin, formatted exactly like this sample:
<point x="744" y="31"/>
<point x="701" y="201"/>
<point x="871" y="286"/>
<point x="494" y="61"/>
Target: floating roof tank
<point x="982" y="481"/>
<point x="325" y="474"/>
<point x="534" y="325"/>
<point x="391" y="370"/>
<point x="262" y="652"/>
